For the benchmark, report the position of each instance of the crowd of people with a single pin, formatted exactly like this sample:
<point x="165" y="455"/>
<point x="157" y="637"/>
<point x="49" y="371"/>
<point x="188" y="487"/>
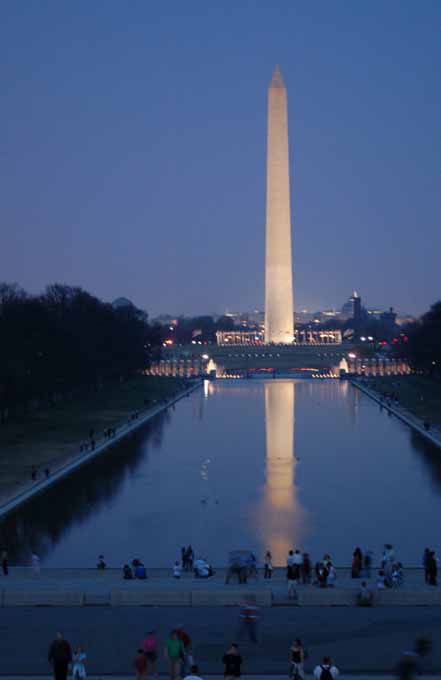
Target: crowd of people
<point x="177" y="652"/>
<point x="300" y="568"/>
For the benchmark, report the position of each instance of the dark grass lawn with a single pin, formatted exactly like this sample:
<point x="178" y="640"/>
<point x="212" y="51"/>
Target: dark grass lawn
<point x="421" y="395"/>
<point x="51" y="436"/>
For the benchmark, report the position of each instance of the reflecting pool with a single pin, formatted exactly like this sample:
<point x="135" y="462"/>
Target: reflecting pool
<point x="245" y="464"/>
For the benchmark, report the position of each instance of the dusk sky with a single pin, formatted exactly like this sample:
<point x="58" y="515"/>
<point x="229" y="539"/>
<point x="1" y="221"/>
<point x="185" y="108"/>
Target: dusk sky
<point x="134" y="137"/>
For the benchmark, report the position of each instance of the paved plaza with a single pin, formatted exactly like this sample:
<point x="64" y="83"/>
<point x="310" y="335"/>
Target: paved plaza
<point x="359" y="640"/>
<point x="91" y="587"/>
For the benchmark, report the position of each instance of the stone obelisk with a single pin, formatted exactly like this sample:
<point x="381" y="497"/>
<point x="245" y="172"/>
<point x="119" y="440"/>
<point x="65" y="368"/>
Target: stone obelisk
<point x="279" y="306"/>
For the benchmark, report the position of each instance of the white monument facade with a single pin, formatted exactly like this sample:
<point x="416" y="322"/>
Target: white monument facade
<point x="279" y="306"/>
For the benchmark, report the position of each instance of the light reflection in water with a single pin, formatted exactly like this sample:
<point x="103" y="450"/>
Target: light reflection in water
<point x="282" y="519"/>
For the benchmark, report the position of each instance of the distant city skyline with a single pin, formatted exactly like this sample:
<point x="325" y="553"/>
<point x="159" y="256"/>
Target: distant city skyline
<point x="133" y="153"/>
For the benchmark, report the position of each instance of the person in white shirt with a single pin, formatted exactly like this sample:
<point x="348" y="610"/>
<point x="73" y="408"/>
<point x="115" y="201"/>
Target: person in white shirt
<point x="194" y="674"/>
<point x="332" y="575"/>
<point x="298" y="558"/>
<point x="290" y="559"/>
<point x="326" y="670"/>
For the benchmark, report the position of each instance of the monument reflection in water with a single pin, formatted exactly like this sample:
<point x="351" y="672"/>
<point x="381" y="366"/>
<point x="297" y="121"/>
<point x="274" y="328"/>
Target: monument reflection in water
<point x="282" y="517"/>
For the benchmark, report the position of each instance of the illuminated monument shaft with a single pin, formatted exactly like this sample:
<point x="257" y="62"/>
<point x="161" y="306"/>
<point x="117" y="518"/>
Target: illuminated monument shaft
<point x="279" y="307"/>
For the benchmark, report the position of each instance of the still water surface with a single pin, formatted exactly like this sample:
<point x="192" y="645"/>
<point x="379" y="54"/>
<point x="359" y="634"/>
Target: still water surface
<point x="253" y="464"/>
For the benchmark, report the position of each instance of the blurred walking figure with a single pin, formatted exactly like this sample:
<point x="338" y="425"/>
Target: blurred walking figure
<point x="232" y="661"/>
<point x="296" y="657"/>
<point x="268" y="565"/>
<point x="35" y="562"/>
<point x="248" y="619"/>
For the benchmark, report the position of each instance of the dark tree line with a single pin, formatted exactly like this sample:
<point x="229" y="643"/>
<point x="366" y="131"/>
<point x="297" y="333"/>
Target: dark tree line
<point x="64" y="341"/>
<point x="424" y="346"/>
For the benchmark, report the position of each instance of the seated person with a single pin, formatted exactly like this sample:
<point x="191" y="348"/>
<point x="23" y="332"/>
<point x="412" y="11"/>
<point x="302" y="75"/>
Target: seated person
<point x="101" y="564"/>
<point x="127" y="572"/>
<point x="364" y="596"/>
<point x="202" y="569"/>
<point x="140" y="571"/>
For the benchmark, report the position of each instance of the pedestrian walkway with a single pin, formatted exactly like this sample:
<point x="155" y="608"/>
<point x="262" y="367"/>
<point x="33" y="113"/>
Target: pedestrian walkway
<point x="400" y="412"/>
<point x="84" y="587"/>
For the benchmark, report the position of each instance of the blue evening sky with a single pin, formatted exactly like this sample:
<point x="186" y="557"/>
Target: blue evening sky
<point x="133" y="148"/>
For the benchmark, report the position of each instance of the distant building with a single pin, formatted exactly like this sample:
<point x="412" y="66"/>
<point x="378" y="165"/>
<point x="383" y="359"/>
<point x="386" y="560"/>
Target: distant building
<point x="352" y="308"/>
<point x="125" y="303"/>
<point x="302" y="337"/>
<point x="122" y="302"/>
<point x="389" y="319"/>
<point x="165" y="320"/>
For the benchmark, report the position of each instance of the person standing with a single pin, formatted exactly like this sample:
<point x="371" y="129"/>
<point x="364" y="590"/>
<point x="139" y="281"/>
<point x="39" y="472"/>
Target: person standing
<point x="296" y="657"/>
<point x="150" y="648"/>
<point x="60" y="656"/>
<point x="268" y="565"/>
<point x="307" y="568"/>
<point x="140" y="664"/>
<point x="297" y="560"/>
<point x="174" y="652"/>
<point x="326" y="670"/>
<point x="425" y="564"/>
<point x="357" y="563"/>
<point x="232" y="661"/>
<point x="291" y="577"/>
<point x="187" y="659"/>
<point x="190" y="558"/>
<point x="432" y="569"/>
<point x="79" y="664"/>
<point x="332" y="575"/>
<point x="4" y="559"/>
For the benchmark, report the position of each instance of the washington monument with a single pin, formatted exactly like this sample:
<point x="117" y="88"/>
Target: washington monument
<point x="279" y="307"/>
